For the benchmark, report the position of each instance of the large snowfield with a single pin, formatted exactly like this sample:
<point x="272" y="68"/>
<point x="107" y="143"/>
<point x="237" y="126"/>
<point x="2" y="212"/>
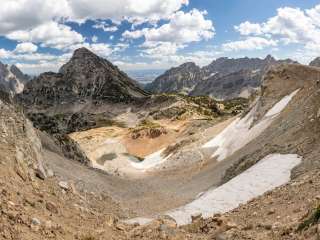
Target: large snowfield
<point x="269" y="173"/>
<point x="272" y="171"/>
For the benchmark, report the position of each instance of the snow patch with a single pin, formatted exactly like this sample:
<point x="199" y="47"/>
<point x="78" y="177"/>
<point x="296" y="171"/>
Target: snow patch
<point x="280" y="106"/>
<point x="211" y="75"/>
<point x="151" y="161"/>
<point x="256" y="71"/>
<point x="239" y="132"/>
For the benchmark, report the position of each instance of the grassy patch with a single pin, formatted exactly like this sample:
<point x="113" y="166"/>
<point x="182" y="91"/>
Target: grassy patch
<point x="89" y="237"/>
<point x="104" y="122"/>
<point x="311" y="220"/>
<point x="210" y="107"/>
<point x="145" y="124"/>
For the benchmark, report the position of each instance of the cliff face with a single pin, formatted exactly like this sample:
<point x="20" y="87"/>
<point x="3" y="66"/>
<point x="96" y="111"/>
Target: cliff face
<point x="179" y="79"/>
<point x="86" y="77"/>
<point x="232" y="85"/>
<point x="20" y="146"/>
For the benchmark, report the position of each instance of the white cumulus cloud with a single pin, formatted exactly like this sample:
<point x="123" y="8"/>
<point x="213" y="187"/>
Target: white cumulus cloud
<point x="51" y="34"/>
<point x="26" y="47"/>
<point x="251" y="43"/>
<point x="290" y="25"/>
<point x="182" y="28"/>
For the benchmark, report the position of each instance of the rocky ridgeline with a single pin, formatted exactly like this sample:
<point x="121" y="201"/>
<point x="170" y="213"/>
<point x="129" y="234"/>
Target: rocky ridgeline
<point x="224" y="78"/>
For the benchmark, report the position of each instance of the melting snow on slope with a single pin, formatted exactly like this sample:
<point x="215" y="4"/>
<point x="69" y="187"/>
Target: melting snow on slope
<point x="269" y="173"/>
<point x="150" y="161"/>
<point x="239" y="133"/>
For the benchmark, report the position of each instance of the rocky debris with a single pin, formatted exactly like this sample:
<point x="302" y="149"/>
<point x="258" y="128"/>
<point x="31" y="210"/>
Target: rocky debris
<point x="35" y="221"/>
<point x="40" y="174"/>
<point x="64" y="185"/>
<point x="50" y="173"/>
<point x="50" y="206"/>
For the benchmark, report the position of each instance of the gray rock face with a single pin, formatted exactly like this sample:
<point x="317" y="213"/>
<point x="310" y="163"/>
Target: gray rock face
<point x="20" y="146"/>
<point x="177" y="80"/>
<point x="232" y="85"/>
<point x="315" y="62"/>
<point x="223" y="78"/>
<point x="12" y="79"/>
<point x="85" y="77"/>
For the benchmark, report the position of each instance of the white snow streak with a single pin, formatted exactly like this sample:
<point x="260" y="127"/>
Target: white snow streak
<point x="150" y="161"/>
<point x="239" y="132"/>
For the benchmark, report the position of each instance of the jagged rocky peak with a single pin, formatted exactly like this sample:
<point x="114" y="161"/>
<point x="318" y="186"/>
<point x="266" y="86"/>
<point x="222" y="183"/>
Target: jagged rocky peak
<point x="229" y="65"/>
<point x="19" y="74"/>
<point x="12" y="79"/>
<point x="185" y="67"/>
<point x="270" y="58"/>
<point x="86" y="62"/>
<point x="315" y="62"/>
<point x="86" y="77"/>
<point x="81" y="59"/>
<point x="188" y="65"/>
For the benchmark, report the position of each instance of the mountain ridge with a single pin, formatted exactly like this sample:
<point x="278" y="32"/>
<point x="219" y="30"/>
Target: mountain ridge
<point x="181" y="80"/>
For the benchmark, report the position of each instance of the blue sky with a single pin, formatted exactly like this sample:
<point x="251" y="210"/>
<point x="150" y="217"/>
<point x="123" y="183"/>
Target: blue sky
<point x="156" y="34"/>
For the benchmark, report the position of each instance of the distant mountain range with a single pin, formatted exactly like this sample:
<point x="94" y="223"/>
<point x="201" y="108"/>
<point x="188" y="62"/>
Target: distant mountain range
<point x="89" y="77"/>
<point x="224" y="78"/>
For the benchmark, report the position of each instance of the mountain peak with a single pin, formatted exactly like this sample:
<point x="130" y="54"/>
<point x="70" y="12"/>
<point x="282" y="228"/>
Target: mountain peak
<point x="82" y="60"/>
<point x="188" y="64"/>
<point x="83" y="52"/>
<point x="269" y="58"/>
